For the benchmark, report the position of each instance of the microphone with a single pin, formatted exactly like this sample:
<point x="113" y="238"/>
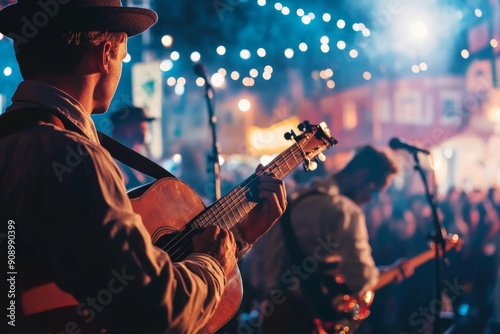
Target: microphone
<point x="199" y="70"/>
<point x="398" y="144"/>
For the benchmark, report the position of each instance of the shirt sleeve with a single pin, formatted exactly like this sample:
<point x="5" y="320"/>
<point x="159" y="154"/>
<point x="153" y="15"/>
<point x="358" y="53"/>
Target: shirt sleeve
<point x="91" y="241"/>
<point x="357" y="265"/>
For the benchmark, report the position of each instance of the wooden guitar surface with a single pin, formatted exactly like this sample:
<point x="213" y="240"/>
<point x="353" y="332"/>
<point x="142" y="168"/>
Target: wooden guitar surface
<point x="171" y="201"/>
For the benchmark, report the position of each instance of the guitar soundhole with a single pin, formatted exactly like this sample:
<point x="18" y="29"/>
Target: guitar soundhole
<point x="177" y="244"/>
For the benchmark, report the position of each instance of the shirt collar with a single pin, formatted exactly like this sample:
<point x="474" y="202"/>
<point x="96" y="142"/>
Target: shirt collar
<point x="36" y="94"/>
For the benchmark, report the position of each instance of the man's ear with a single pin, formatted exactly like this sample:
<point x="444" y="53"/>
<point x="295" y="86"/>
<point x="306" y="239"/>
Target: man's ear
<point x="104" y="50"/>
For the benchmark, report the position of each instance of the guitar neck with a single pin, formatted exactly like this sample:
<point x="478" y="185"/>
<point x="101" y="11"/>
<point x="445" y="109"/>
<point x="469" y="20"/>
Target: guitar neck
<point x="235" y="206"/>
<point x="390" y="275"/>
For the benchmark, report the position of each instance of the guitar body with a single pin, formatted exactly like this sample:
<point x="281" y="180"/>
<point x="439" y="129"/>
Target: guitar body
<point x="171" y="201"/>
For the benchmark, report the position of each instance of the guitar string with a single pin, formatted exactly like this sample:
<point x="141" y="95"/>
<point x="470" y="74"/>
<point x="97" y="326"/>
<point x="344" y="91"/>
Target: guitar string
<point x="214" y="218"/>
<point x="236" y="194"/>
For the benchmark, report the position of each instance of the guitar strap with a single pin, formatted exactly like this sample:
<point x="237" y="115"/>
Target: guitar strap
<point x="21" y="119"/>
<point x="312" y="286"/>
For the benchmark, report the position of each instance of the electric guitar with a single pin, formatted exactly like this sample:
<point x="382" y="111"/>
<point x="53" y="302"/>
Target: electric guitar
<point x="357" y="308"/>
<point x="171" y="201"/>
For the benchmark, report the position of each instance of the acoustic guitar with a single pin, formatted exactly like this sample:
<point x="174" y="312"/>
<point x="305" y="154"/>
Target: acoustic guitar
<point x="171" y="201"/>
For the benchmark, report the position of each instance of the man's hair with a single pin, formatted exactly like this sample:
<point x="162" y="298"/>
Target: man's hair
<point x="379" y="164"/>
<point x="61" y="54"/>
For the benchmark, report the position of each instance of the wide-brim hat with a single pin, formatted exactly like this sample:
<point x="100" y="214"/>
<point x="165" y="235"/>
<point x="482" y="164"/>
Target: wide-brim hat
<point x="31" y="18"/>
<point x="127" y="114"/>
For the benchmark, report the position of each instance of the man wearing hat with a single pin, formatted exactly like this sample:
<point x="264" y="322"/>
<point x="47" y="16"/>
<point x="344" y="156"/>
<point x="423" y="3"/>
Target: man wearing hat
<point x="131" y="128"/>
<point x="84" y="261"/>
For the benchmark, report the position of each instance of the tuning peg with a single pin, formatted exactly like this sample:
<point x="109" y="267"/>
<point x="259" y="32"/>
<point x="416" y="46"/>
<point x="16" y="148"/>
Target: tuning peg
<point x="321" y="157"/>
<point x="310" y="165"/>
<point x="304" y="126"/>
<point x="290" y="135"/>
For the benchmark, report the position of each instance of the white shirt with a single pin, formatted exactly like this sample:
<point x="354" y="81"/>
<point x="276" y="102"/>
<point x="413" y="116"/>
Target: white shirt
<point x="330" y="228"/>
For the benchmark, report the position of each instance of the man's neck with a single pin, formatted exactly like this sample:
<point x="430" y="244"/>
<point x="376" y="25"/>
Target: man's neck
<point x="78" y="87"/>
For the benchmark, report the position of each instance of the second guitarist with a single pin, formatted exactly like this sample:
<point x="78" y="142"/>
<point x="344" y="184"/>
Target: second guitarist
<point x="329" y="226"/>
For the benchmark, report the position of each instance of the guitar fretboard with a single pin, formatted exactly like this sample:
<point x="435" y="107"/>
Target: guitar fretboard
<point x="233" y="207"/>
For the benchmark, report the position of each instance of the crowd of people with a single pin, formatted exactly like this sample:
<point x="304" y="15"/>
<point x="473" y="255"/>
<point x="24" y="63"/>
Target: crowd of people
<point x="400" y="225"/>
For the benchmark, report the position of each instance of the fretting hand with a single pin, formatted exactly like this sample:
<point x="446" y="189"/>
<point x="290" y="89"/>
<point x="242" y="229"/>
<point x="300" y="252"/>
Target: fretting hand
<point x="272" y="204"/>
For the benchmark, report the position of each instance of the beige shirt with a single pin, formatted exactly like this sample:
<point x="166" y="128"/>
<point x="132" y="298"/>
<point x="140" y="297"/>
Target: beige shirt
<point x="69" y="204"/>
<point x="330" y="228"/>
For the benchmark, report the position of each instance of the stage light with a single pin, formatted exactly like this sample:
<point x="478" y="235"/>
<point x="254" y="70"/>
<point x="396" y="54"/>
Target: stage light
<point x="248" y="82"/>
<point x="127" y="58"/>
<point x="221" y="50"/>
<point x="167" y="41"/>
<point x="175" y="56"/>
<point x="419" y="29"/>
<point x="195" y="56"/>
<point x="166" y="65"/>
<point x="179" y="89"/>
<point x="235" y="75"/>
<point x="181" y="81"/>
<point x="244" y="105"/>
<point x="222" y="71"/>
<point x="177" y="157"/>
<point x="171" y="81"/>
<point x="218" y="80"/>
<point x="245" y="54"/>
<point x="200" y="82"/>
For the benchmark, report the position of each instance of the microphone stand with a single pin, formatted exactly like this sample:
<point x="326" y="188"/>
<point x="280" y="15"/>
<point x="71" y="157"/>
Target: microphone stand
<point x="438" y="237"/>
<point x="213" y="158"/>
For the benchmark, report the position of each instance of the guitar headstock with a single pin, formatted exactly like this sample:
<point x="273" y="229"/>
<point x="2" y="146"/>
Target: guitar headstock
<point x="313" y="140"/>
<point x="454" y="241"/>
